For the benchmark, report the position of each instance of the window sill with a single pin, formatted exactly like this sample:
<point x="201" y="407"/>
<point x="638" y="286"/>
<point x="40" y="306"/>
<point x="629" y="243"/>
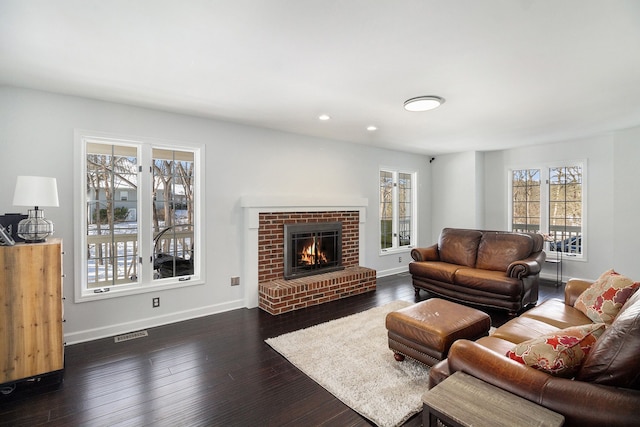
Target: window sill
<point x="118" y="291"/>
<point x="395" y="251"/>
<point x="573" y="257"/>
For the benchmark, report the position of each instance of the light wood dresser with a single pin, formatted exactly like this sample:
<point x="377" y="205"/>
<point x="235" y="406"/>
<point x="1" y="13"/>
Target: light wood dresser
<point x="31" y="312"/>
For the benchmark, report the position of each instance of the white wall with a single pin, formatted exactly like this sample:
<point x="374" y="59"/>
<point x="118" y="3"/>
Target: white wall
<point x="457" y="192"/>
<point x="37" y="137"/>
<point x="626" y="208"/>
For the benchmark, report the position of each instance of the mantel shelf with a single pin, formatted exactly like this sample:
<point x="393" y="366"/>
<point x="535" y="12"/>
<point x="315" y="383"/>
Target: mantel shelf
<point x="302" y="201"/>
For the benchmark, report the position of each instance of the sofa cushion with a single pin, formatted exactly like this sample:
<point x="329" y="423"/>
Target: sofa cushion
<point x="458" y="246"/>
<point x="602" y="301"/>
<point x="560" y="353"/>
<point x="555" y="312"/>
<point x="614" y="359"/>
<point x="521" y="329"/>
<point x="434" y="270"/>
<point x="488" y="282"/>
<point x="497" y="250"/>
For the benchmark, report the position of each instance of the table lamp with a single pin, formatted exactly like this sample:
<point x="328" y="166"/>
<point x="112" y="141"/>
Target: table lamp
<point x="35" y="191"/>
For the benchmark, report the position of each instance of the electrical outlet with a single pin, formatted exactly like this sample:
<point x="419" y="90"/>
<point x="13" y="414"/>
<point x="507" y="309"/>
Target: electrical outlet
<point x="156" y="302"/>
<point x="399" y="259"/>
<point x="235" y="280"/>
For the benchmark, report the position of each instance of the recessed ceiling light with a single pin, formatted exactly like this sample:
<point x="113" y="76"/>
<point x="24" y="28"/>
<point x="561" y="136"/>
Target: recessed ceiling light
<point x="371" y="128"/>
<point x="323" y="117"/>
<point x="423" y="103"/>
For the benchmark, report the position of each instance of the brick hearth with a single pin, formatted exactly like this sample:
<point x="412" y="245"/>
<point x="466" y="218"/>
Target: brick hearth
<point x="281" y="296"/>
<point x="276" y="295"/>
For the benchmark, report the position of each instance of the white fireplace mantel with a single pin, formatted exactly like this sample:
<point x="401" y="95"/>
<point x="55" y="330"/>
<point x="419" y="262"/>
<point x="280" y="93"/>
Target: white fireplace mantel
<point x="254" y="205"/>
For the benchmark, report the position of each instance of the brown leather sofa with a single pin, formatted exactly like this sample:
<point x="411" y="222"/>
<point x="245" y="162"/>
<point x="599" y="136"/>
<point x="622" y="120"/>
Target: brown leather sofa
<point x="604" y="392"/>
<point x="496" y="269"/>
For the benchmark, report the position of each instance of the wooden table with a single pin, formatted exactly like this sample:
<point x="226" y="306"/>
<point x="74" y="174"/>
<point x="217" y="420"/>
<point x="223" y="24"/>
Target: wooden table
<point x="463" y="401"/>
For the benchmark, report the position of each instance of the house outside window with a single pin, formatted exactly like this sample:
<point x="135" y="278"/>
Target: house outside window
<point x="138" y="207"/>
<point x="397" y="210"/>
<point x="550" y="201"/>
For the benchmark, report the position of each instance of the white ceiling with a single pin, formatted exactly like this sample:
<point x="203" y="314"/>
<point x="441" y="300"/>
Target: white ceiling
<point x="513" y="72"/>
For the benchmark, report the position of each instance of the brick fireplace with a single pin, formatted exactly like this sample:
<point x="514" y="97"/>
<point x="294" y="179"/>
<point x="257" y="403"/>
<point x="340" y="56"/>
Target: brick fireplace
<point x="271" y="238"/>
<point x="265" y="220"/>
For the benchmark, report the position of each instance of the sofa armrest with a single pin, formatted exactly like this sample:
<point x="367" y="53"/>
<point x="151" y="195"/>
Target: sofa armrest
<point x="497" y="369"/>
<point x="426" y="254"/>
<point x="528" y="266"/>
<point x="573" y="289"/>
<point x="580" y="402"/>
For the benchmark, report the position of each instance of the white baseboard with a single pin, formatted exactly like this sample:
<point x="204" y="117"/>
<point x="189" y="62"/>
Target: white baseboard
<point x="392" y="271"/>
<point x="149" y="322"/>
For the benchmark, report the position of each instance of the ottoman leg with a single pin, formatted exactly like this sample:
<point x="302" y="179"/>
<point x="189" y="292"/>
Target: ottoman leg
<point x="399" y="357"/>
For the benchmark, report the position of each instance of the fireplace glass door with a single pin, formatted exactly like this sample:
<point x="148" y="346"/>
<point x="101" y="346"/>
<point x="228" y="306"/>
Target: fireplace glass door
<point x="312" y="248"/>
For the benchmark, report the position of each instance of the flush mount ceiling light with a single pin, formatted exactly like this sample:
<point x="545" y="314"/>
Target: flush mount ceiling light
<point x="324" y="117"/>
<point x="423" y="103"/>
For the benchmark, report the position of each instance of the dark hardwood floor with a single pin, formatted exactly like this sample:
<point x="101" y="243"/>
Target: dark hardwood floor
<point x="211" y="371"/>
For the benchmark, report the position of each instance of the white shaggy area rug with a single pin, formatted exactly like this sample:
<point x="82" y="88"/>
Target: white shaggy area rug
<point x="350" y="358"/>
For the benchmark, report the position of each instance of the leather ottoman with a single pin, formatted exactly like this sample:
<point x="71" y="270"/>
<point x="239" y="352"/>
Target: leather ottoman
<point x="426" y="330"/>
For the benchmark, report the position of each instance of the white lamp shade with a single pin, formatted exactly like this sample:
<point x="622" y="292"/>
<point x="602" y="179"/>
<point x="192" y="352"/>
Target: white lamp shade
<point x="36" y="191"/>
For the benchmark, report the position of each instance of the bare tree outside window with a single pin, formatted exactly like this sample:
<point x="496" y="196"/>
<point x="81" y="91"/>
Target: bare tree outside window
<point x="405" y="208"/>
<point x="525" y="187"/>
<point x="550" y="201"/>
<point x="127" y="246"/>
<point x="386" y="209"/>
<point x="111" y="239"/>
<point x="396" y="209"/>
<point x="173" y="175"/>
<point x="565" y="208"/>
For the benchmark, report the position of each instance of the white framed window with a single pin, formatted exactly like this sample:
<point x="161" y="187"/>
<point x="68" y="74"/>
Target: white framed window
<point x="397" y="210"/>
<point x="551" y="200"/>
<point x="138" y="205"/>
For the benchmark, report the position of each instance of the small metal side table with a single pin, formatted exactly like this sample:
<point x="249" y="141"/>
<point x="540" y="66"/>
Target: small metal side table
<point x="464" y="401"/>
<point x="557" y="260"/>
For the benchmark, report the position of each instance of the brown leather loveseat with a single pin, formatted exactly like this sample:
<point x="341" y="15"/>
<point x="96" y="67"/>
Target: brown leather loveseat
<point x="604" y="391"/>
<point x="496" y="269"/>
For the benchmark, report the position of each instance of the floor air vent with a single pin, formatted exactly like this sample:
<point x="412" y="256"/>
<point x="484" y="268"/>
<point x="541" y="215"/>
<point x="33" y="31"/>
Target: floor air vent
<point x="131" y="336"/>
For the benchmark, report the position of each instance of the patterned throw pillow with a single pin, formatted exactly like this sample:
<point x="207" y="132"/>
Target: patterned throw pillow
<point x="560" y="353"/>
<point x="602" y="301"/>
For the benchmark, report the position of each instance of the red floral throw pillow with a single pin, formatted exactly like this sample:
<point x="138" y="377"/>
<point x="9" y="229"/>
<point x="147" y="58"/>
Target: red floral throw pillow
<point x="560" y="353"/>
<point x="602" y="301"/>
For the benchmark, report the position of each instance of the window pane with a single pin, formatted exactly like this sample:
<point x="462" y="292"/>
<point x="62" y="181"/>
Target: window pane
<point x="520" y="194"/>
<point x="557" y="192"/>
<point x="397" y="193"/>
<point x="525" y="201"/>
<point x="404" y="208"/>
<point x="386" y="209"/>
<point x="557" y="210"/>
<point x="565" y="208"/>
<point x="112" y="228"/>
<point x="574" y="192"/>
<point x="173" y="213"/>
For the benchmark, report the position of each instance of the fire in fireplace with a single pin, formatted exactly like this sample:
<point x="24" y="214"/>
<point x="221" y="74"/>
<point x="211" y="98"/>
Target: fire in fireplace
<point x="312" y="248"/>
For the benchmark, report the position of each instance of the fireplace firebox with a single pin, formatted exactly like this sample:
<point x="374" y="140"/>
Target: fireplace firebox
<point x="312" y="248"/>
